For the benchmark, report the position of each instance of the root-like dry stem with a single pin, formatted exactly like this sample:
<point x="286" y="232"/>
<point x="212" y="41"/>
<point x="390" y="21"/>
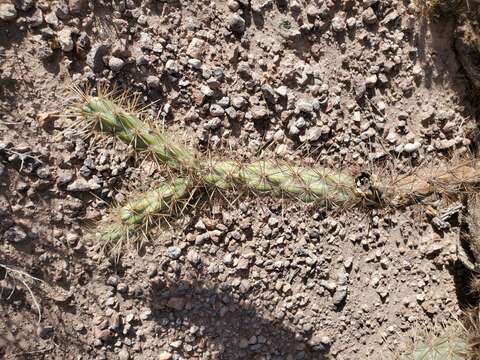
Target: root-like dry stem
<point x="409" y="189"/>
<point x="473" y="221"/>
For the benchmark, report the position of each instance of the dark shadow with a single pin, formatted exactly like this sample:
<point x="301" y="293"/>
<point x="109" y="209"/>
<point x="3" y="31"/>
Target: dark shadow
<point x="238" y="329"/>
<point x="462" y="278"/>
<point x="10" y="35"/>
<point x="462" y="274"/>
<point x="440" y="32"/>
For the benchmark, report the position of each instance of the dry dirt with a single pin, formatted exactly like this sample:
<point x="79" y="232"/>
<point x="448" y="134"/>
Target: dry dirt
<point x="350" y="84"/>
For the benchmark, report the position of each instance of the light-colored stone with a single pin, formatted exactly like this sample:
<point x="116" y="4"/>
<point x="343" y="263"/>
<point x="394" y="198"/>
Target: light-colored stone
<point x="65" y="39"/>
<point x="7" y="12"/>
<point x="196" y="49"/>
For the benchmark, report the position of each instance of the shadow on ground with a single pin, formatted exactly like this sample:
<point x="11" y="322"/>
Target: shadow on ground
<point x="237" y="328"/>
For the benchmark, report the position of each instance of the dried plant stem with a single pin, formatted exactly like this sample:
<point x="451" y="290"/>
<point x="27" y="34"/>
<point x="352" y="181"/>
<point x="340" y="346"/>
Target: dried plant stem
<point x="21" y="275"/>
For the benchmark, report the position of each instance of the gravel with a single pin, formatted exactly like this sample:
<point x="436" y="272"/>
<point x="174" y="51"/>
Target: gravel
<point x="320" y="84"/>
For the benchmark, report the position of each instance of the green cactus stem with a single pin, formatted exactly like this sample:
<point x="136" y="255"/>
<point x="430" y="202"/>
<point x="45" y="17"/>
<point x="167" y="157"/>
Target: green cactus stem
<point x="440" y="348"/>
<point x="263" y="176"/>
<point x="132" y="220"/>
<point x="106" y="116"/>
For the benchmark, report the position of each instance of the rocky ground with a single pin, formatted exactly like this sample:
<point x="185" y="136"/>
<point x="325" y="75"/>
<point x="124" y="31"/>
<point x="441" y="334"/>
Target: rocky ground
<point x="361" y="85"/>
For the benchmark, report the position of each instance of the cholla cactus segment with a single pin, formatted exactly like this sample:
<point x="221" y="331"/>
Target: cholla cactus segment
<point x="130" y="223"/>
<point x="263" y="176"/>
<point x="158" y="202"/>
<point x="440" y="348"/>
<point x="106" y="116"/>
<point x="282" y="179"/>
<point x="324" y="186"/>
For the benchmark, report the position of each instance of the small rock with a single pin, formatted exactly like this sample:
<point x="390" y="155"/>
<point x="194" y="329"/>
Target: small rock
<point x="172" y="67"/>
<point x="213" y="123"/>
<point x="24" y="5"/>
<point x="342" y="287"/>
<point x="196" y="48"/>
<point x="411" y="147"/>
<point x="7" y="12"/>
<point x="233" y="5"/>
<point x="15" y="235"/>
<point x="65" y="39"/>
<point x="268" y="93"/>
<point x="104" y="335"/>
<point x="195" y="63"/>
<point x="44" y="331"/>
<point x="259" y="112"/>
<point x="174" y="252"/>
<point x="314" y="133"/>
<point x="238" y="102"/>
<point x="338" y="23"/>
<point x="236" y="24"/>
<point x="64" y="178"/>
<point x="165" y="356"/>
<point x="282" y="91"/>
<point x="145" y="315"/>
<point x="95" y="56"/>
<point x="216" y="110"/>
<point x="116" y="64"/>
<point x="77" y="6"/>
<point x="176" y="344"/>
<point x="206" y="91"/>
<point x="304" y="106"/>
<point x="51" y="19"/>
<point x="244" y="70"/>
<point x="369" y="17"/>
<point x="371" y="81"/>
<point x="123" y="355"/>
<point x="83" y="185"/>
<point x="153" y="82"/>
<point x="36" y="19"/>
<point x="193" y="257"/>
<point x="112" y="280"/>
<point x="313" y="12"/>
<point x="360" y="87"/>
